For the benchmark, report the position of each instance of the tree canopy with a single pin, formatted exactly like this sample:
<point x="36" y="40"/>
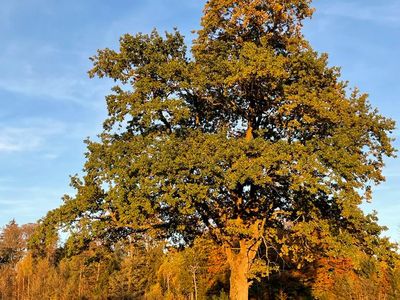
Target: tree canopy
<point x="253" y="139"/>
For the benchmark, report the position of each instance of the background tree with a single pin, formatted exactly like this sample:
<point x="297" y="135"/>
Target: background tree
<point x="253" y="139"/>
<point x="13" y="242"/>
<point x="13" y="249"/>
<point x="139" y="269"/>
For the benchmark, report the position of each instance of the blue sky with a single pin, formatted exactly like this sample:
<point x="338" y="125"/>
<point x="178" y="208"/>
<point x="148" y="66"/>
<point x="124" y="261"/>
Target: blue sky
<point x="48" y="105"/>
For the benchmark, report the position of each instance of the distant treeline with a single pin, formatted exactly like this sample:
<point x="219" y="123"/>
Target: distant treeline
<point x="153" y="270"/>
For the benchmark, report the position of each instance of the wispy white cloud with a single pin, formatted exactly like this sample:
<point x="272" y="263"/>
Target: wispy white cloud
<point x="137" y="20"/>
<point x="10" y="140"/>
<point x="69" y="89"/>
<point x="377" y="11"/>
<point x="28" y="138"/>
<point x="9" y="9"/>
<point x="27" y="72"/>
<point x="28" y="203"/>
<point x="50" y="156"/>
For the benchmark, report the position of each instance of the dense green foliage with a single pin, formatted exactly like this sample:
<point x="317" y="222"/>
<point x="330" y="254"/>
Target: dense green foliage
<point x="253" y="141"/>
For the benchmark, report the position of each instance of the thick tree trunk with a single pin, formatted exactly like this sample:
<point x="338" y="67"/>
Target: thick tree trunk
<point x="239" y="284"/>
<point x="239" y="262"/>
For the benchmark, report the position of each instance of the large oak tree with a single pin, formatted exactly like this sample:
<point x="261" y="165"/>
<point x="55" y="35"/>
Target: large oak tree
<point x="251" y="136"/>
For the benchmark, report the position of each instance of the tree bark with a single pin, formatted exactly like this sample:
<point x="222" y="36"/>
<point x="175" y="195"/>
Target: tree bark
<point x="239" y="262"/>
<point x="239" y="285"/>
<point x="195" y="284"/>
<point x="249" y="132"/>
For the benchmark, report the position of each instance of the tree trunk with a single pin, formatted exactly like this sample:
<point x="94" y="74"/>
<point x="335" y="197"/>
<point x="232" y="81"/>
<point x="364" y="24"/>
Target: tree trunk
<point x="80" y="282"/>
<point x="239" y="284"/>
<point x="98" y="273"/>
<point x="249" y="132"/>
<point x="239" y="262"/>
<point x="29" y="287"/>
<point x="194" y="283"/>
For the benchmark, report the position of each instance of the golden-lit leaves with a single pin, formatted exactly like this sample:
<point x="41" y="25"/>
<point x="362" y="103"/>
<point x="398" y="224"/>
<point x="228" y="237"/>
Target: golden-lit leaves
<point x="235" y="17"/>
<point x="254" y="136"/>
